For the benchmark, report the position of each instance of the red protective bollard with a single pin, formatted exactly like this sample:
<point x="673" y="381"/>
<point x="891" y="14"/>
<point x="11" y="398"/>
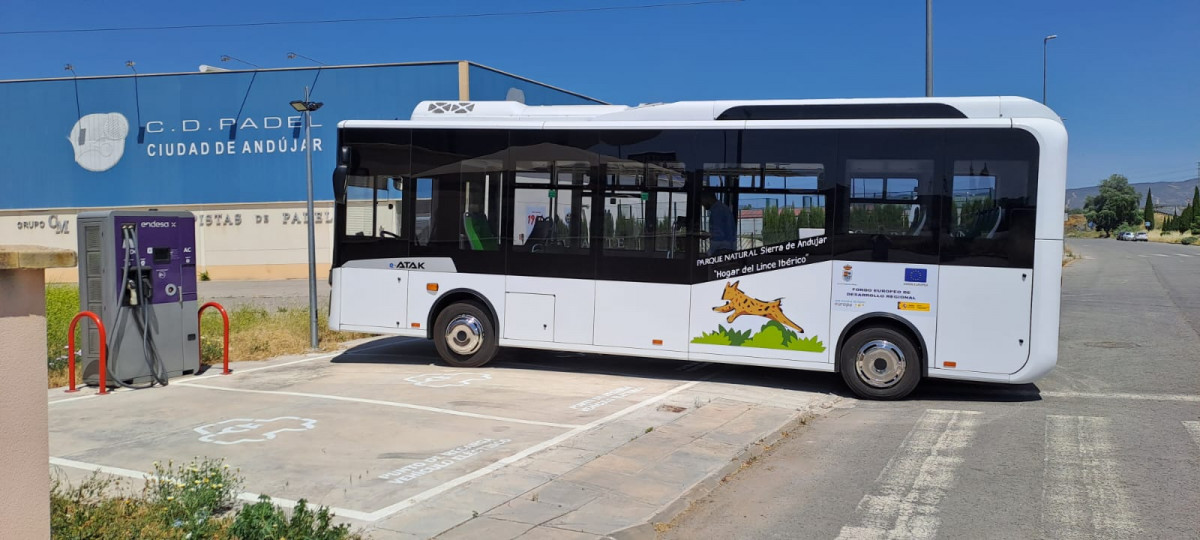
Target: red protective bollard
<point x="225" y="320"/>
<point x="103" y="351"/>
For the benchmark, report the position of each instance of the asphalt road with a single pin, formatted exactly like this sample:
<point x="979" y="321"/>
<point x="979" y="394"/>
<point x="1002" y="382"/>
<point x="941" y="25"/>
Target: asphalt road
<point x="1106" y="446"/>
<point x="269" y="295"/>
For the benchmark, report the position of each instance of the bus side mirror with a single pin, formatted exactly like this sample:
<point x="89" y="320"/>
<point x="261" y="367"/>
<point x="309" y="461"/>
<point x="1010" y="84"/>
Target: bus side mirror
<point x="348" y="157"/>
<point x="339" y="183"/>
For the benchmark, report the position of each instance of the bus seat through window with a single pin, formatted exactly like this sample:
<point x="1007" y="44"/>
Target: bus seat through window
<point x="539" y="237"/>
<point x="479" y="232"/>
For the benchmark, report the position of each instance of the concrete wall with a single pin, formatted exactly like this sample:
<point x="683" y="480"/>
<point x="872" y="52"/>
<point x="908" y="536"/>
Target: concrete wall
<point x="25" y="498"/>
<point x="244" y="241"/>
<point x="24" y="472"/>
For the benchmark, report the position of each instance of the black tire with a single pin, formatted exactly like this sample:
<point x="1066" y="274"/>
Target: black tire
<point x="891" y="365"/>
<point x="465" y="336"/>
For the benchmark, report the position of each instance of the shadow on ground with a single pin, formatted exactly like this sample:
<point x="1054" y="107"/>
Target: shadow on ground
<point x="402" y="350"/>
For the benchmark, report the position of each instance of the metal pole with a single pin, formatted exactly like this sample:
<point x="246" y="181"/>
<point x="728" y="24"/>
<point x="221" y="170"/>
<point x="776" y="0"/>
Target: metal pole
<point x="928" y="48"/>
<point x="312" y="235"/>
<point x="1044" y="42"/>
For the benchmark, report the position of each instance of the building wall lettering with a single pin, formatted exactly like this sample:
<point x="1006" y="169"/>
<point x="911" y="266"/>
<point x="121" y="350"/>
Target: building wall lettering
<point x="218" y="148"/>
<point x="269" y="122"/>
<point x="53" y="222"/>
<point x="218" y="219"/>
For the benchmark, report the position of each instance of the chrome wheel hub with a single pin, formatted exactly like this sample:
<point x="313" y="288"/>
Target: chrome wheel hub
<point x="880" y="363"/>
<point x="464" y="335"/>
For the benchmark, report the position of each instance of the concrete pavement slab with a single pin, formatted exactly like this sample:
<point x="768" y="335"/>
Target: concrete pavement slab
<point x="486" y="527"/>
<point x="413" y="450"/>
<point x="543" y="532"/>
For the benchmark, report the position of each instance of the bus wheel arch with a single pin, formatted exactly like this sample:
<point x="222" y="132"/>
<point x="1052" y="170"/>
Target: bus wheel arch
<point x="881" y="356"/>
<point x="464" y="329"/>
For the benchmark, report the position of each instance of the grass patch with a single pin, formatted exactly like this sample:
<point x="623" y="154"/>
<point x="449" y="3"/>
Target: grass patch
<point x="772" y="335"/>
<point x="254" y="333"/>
<point x="62" y="303"/>
<point x="193" y="500"/>
<point x="257" y="334"/>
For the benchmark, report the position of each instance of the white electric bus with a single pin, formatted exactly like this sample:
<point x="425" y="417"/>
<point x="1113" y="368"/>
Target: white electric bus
<point x="885" y="239"/>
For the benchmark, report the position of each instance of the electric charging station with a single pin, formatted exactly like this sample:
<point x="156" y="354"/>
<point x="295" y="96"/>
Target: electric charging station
<point x="137" y="270"/>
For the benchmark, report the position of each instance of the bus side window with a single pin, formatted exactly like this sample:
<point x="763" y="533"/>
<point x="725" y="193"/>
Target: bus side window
<point x="360" y="206"/>
<point x="423" y="212"/>
<point x="645" y="209"/>
<point x="775" y="203"/>
<point x="552" y="206"/>
<point x="389" y="207"/>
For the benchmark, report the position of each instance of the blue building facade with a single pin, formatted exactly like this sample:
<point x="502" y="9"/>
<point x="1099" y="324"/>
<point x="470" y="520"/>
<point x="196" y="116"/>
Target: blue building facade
<point x="211" y="138"/>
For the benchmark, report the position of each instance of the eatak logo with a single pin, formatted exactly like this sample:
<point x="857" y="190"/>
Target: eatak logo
<point x="99" y="140"/>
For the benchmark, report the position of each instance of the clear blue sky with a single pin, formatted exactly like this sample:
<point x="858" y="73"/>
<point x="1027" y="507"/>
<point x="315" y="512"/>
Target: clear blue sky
<point x="1125" y="75"/>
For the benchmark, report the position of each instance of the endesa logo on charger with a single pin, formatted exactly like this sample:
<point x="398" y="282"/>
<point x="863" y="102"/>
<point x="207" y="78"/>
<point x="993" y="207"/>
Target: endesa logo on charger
<point x="916" y="275"/>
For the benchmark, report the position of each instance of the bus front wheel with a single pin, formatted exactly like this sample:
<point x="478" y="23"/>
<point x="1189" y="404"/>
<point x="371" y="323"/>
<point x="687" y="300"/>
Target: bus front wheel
<point x="880" y="363"/>
<point x="464" y="335"/>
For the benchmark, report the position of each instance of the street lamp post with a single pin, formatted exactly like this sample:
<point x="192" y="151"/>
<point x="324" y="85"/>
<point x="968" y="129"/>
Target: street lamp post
<point x="307" y="107"/>
<point x="928" y="48"/>
<point x="1044" y="42"/>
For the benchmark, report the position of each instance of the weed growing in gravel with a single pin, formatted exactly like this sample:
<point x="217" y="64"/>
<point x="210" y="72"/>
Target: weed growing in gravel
<point x="181" y="502"/>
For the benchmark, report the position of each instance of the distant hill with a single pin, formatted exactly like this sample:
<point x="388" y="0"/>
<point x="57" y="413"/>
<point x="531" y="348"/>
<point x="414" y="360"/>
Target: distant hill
<point x="1166" y="194"/>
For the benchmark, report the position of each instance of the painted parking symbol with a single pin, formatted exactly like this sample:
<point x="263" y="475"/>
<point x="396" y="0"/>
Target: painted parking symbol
<point x="443" y="380"/>
<point x="250" y="430"/>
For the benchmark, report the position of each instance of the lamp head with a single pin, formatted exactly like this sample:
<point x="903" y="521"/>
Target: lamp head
<point x="291" y="56"/>
<point x="306" y="106"/>
<point x="225" y="58"/>
<point x="1050" y="37"/>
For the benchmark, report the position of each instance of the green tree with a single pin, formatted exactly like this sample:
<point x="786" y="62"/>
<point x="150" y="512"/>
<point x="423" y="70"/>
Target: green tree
<point x="1116" y="204"/>
<point x="1185" y="219"/>
<point x="1148" y="213"/>
<point x="1195" y="221"/>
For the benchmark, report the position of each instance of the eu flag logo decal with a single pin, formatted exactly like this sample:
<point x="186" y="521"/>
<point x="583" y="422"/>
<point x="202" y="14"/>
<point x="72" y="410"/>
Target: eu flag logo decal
<point x="915" y="275"/>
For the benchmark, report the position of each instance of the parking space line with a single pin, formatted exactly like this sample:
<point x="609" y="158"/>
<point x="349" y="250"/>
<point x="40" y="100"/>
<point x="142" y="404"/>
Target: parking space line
<point x="909" y="489"/>
<point x="77" y="398"/>
<point x="437" y="490"/>
<point x="1183" y="255"/>
<point x="203" y="377"/>
<point x="1083" y="495"/>
<point x="384" y="403"/>
<point x="139" y="475"/>
<point x="272" y="366"/>
<point x="1160" y="255"/>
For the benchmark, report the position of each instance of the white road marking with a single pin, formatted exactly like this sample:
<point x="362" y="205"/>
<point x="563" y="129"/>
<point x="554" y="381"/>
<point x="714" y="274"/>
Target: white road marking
<point x="247" y="496"/>
<point x="437" y="490"/>
<point x="1160" y="255"/>
<point x="1120" y="395"/>
<point x="1143" y="255"/>
<point x="381" y="402"/>
<point x="905" y="500"/>
<point x="1193" y="428"/>
<point x="1183" y="255"/>
<point x="77" y="398"/>
<point x="203" y="377"/>
<point x="272" y="366"/>
<point x="1082" y="496"/>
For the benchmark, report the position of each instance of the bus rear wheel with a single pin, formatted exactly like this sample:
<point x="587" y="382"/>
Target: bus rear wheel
<point x="880" y="363"/>
<point x="464" y="335"/>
